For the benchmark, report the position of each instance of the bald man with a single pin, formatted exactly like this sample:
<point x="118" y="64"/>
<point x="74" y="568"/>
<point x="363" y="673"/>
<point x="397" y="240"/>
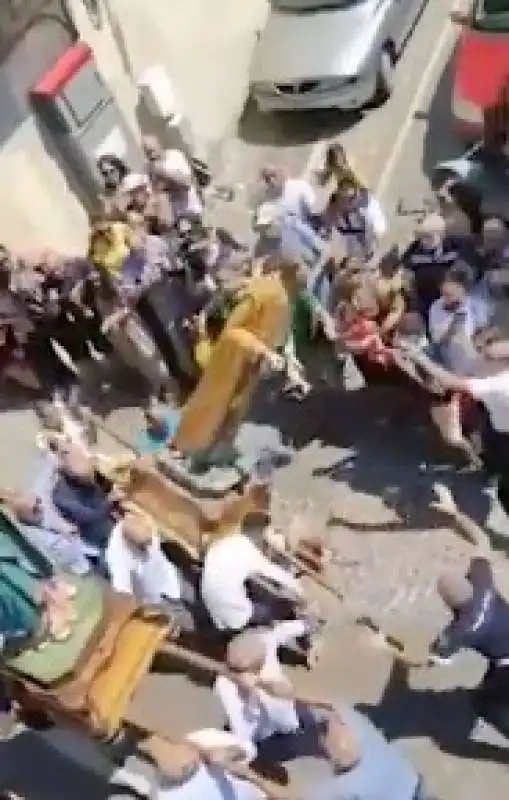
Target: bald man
<point x="264" y="722"/>
<point x="81" y="501"/>
<point x="360" y="764"/>
<point x="480" y="622"/>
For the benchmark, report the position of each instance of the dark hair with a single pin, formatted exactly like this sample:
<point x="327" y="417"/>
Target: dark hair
<point x="114" y="161"/>
<point x="461" y="274"/>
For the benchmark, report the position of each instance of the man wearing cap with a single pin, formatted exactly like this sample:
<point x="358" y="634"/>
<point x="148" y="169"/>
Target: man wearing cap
<point x="428" y="257"/>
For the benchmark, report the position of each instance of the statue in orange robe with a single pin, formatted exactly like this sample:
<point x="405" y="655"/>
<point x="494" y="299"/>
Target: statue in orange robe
<point x="255" y="329"/>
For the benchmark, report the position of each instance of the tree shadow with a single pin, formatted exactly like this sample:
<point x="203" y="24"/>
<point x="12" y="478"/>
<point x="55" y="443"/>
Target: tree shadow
<point x="446" y="717"/>
<point x="387" y="449"/>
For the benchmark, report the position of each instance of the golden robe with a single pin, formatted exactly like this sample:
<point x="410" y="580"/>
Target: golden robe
<point x="259" y="321"/>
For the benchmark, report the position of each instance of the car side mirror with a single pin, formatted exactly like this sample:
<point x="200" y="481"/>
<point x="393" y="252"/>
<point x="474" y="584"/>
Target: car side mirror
<point x="462" y="18"/>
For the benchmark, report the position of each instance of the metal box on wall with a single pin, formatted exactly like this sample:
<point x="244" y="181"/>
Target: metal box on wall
<point x="81" y="116"/>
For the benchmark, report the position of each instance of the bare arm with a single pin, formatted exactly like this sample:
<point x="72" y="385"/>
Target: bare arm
<point x="445" y="378"/>
<point x="466" y="526"/>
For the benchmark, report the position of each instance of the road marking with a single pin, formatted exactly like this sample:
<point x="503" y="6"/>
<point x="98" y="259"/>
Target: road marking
<point x="442" y="44"/>
<point x="316" y="157"/>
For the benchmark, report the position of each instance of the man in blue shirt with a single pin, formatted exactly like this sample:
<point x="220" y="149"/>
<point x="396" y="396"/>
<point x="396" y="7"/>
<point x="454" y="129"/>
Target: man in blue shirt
<point x="480" y="622"/>
<point x="360" y="764"/>
<point x="289" y="236"/>
<point x="81" y="501"/>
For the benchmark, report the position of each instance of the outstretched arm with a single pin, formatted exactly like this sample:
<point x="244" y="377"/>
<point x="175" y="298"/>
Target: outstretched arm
<point x="470" y="530"/>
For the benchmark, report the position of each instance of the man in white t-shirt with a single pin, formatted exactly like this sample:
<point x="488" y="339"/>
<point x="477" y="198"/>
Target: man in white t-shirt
<point x="492" y="392"/>
<point x="228" y="564"/>
<point x="183" y="771"/>
<point x="137" y="566"/>
<point x="293" y="196"/>
<point x="255" y="714"/>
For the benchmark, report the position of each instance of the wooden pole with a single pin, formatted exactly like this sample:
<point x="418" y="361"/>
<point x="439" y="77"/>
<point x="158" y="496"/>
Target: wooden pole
<point x="207" y="664"/>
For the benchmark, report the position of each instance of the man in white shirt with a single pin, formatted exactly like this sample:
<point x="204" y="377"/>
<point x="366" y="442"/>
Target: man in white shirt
<point x="183" y="771"/>
<point x="137" y="566"/>
<point x="228" y="564"/>
<point x="293" y="196"/>
<point x="256" y="714"/>
<point x="492" y="392"/>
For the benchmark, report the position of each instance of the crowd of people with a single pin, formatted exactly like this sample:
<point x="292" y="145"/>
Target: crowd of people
<point x="190" y="309"/>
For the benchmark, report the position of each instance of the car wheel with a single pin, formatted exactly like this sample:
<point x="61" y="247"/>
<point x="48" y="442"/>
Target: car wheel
<point x="384" y="78"/>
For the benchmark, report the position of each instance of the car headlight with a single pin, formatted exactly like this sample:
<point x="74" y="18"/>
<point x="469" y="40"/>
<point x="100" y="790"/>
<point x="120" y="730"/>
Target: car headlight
<point x="465" y="110"/>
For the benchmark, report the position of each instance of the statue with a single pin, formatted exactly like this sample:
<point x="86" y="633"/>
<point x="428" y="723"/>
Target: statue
<point x="257" y="327"/>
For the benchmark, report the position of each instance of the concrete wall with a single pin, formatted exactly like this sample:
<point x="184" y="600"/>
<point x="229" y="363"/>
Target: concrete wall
<point x="205" y="46"/>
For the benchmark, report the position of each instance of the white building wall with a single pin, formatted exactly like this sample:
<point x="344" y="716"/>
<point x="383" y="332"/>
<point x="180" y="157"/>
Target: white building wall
<point x="205" y="46"/>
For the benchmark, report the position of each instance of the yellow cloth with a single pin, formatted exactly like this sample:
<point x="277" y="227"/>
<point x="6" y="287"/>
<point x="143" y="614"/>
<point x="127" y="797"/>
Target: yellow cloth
<point x="203" y="352"/>
<point x="260" y="321"/>
<point x="109" y="253"/>
<point x="112" y="690"/>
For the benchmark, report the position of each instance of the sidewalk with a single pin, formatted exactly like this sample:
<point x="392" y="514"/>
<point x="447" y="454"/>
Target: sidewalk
<point x="205" y="46"/>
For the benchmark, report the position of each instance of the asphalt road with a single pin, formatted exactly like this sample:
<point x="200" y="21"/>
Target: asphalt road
<point x="359" y="464"/>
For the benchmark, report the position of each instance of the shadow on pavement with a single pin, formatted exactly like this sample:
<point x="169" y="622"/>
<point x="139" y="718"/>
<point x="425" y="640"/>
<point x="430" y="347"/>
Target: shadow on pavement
<point x="387" y="448"/>
<point x="440" y="141"/>
<point x="447" y="717"/>
<point x="37" y="770"/>
<point x="292" y="128"/>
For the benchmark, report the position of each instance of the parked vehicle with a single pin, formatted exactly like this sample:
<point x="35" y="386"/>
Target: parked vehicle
<point x="484" y="173"/>
<point x="330" y="53"/>
<point x="481" y="68"/>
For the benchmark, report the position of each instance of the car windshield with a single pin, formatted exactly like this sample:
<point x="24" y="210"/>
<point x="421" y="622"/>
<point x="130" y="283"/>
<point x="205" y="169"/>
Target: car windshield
<point x="491" y="15"/>
<point x="314" y="5"/>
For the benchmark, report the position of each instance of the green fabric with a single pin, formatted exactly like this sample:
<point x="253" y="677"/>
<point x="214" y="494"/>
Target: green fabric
<point x="21" y="569"/>
<point x="57" y="659"/>
<point x="301" y="321"/>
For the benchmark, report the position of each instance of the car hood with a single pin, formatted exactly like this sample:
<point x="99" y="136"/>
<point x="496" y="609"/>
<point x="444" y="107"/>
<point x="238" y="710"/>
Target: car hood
<point x="296" y="46"/>
<point x="482" y="67"/>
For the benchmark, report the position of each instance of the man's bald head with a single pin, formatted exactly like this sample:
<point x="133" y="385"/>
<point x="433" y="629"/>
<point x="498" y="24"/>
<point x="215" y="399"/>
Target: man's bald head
<point x="341" y="745"/>
<point x="246" y="652"/>
<point x="137" y="530"/>
<point x="455" y="590"/>
<point x="76" y="463"/>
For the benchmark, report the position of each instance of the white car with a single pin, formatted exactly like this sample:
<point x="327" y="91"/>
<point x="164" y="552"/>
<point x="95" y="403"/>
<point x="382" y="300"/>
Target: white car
<point x="330" y="53"/>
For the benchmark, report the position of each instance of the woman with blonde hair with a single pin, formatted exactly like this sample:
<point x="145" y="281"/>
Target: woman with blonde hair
<point x="337" y="167"/>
